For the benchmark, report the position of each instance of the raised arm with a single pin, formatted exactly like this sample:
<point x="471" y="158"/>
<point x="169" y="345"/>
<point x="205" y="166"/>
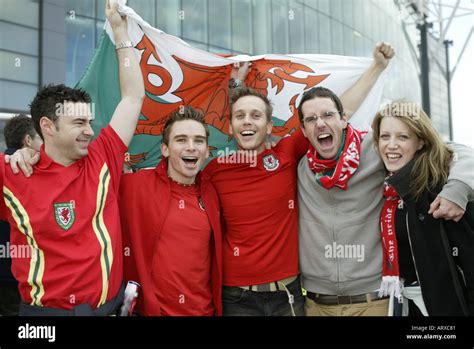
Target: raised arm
<point x="355" y="95"/>
<point x="125" y="117"/>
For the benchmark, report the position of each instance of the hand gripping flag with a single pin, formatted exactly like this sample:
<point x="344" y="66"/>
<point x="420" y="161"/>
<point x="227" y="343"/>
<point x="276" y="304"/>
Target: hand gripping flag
<point x="176" y="74"/>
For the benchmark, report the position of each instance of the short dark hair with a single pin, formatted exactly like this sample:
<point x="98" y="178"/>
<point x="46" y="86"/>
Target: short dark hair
<point x="16" y="129"/>
<point x="181" y="114"/>
<point x="47" y="99"/>
<point x="321" y="92"/>
<point x="238" y="93"/>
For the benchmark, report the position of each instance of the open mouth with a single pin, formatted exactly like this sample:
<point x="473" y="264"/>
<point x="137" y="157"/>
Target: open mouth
<point x="325" y="140"/>
<point x="190" y="161"/>
<point x="247" y="133"/>
<point x="392" y="157"/>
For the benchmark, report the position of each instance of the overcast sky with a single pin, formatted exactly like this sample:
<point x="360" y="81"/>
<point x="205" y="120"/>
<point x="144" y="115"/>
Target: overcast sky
<point x="462" y="89"/>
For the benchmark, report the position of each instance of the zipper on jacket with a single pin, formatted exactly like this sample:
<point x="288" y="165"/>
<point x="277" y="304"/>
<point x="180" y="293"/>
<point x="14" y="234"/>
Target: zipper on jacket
<point x="413" y="255"/>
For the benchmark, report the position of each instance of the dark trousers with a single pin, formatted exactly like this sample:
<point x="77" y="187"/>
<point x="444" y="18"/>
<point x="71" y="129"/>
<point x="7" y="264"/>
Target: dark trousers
<point x="239" y="302"/>
<point x="9" y="299"/>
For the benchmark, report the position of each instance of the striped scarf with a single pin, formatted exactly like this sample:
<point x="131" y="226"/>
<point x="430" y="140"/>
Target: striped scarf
<point x="391" y="284"/>
<point x="338" y="171"/>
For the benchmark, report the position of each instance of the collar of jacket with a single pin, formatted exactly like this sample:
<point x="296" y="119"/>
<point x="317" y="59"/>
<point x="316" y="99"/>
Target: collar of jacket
<point x="401" y="180"/>
<point x="162" y="172"/>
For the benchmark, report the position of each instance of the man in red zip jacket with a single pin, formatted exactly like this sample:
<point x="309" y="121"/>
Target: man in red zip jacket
<point x="171" y="226"/>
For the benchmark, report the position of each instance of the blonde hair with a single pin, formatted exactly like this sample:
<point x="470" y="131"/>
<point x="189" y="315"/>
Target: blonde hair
<point x="431" y="168"/>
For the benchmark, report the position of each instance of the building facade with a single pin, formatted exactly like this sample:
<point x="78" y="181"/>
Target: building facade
<point x="44" y="41"/>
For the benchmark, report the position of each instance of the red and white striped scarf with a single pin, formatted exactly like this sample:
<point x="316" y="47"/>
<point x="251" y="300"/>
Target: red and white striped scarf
<point x="344" y="165"/>
<point x="391" y="284"/>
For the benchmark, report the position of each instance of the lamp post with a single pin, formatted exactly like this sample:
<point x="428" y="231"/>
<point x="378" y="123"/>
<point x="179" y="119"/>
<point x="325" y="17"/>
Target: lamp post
<point x="447" y="44"/>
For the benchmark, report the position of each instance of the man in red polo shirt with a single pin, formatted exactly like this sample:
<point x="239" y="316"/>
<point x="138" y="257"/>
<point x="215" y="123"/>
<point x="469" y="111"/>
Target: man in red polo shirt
<point x="171" y="225"/>
<point x="257" y="191"/>
<point x="66" y="215"/>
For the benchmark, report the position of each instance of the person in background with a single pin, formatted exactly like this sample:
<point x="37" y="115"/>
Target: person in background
<point x="19" y="132"/>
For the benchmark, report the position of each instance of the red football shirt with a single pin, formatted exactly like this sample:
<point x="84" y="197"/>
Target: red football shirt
<point x="259" y="206"/>
<point x="183" y="257"/>
<point x="68" y="220"/>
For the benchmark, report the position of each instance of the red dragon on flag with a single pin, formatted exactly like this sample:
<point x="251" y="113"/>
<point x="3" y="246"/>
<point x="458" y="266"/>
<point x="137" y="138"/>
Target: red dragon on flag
<point x="177" y="74"/>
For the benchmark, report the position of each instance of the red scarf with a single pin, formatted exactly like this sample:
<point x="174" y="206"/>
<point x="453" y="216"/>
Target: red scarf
<point x="391" y="284"/>
<point x="343" y="166"/>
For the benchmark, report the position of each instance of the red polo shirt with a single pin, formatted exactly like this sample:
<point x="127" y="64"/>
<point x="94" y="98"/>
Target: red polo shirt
<point x="259" y="206"/>
<point x="68" y="220"/>
<point x="183" y="257"/>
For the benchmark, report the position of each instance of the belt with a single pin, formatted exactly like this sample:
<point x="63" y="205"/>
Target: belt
<point x="336" y="300"/>
<point x="270" y="286"/>
<point x="79" y="310"/>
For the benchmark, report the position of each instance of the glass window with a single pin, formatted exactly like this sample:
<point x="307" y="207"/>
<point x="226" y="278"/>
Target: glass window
<point x="18" y="67"/>
<point x="347" y="12"/>
<point x="348" y="42"/>
<point x="367" y="47"/>
<point x="83" y="7"/>
<point x="359" y="15"/>
<point x="242" y="26"/>
<point x="21" y="11"/>
<point x="280" y="27"/>
<point x="219" y="50"/>
<point x="367" y="20"/>
<point x="261" y="24"/>
<point x="99" y="30"/>
<point x="169" y="16"/>
<point x="311" y="29"/>
<point x="337" y="38"/>
<point x="376" y="17"/>
<point x="198" y="45"/>
<point x="219" y="30"/>
<point x="195" y="20"/>
<point x="296" y="21"/>
<point x="323" y="6"/>
<point x="311" y="5"/>
<point x="100" y="9"/>
<point x="19" y="39"/>
<point x="16" y="96"/>
<point x="145" y="9"/>
<point x="80" y="36"/>
<point x="336" y="9"/>
<point x="324" y="34"/>
<point x="358" y="43"/>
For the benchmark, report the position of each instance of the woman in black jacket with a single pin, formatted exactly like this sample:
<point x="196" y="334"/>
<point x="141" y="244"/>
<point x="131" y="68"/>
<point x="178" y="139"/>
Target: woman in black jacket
<point x="428" y="262"/>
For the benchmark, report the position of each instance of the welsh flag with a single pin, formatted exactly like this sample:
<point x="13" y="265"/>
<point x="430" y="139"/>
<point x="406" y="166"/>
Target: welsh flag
<point x="176" y="74"/>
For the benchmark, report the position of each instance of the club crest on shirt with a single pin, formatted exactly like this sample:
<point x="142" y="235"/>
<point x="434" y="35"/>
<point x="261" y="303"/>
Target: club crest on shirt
<point x="64" y="214"/>
<point x="270" y="162"/>
<point x="201" y="204"/>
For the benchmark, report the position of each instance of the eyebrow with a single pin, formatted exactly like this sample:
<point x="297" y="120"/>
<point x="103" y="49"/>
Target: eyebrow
<point x="253" y="110"/>
<point x="84" y="118"/>
<point x="188" y="136"/>
<point x="398" y="133"/>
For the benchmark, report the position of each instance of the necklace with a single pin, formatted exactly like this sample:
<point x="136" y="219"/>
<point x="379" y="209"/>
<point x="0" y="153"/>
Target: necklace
<point x="181" y="184"/>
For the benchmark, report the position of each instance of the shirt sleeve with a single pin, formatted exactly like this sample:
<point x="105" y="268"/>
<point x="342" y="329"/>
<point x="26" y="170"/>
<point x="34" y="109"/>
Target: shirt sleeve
<point x="295" y="145"/>
<point x="460" y="186"/>
<point x="109" y="147"/>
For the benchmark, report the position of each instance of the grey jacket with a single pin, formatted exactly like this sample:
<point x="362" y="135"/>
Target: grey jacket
<point x="340" y="250"/>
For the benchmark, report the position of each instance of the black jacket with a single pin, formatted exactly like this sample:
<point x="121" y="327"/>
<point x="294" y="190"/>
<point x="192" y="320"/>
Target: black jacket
<point x="443" y="250"/>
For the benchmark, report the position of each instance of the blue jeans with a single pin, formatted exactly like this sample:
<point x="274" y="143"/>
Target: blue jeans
<point x="239" y="302"/>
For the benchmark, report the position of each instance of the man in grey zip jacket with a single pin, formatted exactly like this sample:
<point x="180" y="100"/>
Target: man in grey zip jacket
<point x="340" y="249"/>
